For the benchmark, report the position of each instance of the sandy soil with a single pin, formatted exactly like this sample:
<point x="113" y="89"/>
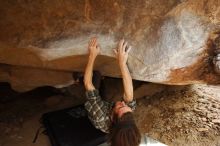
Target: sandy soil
<point x="188" y="116"/>
<point x="181" y="117"/>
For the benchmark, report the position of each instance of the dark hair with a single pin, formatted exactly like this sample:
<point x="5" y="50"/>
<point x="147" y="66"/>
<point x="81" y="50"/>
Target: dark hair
<point x="124" y="132"/>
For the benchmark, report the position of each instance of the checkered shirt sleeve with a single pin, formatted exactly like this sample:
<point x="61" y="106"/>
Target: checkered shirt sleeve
<point x="97" y="110"/>
<point x="132" y="104"/>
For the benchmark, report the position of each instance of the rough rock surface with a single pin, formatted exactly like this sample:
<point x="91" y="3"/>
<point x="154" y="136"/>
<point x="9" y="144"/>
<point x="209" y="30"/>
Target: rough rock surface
<point x="174" y="41"/>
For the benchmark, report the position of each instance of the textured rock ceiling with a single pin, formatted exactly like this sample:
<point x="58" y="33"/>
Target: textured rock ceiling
<point x="43" y="41"/>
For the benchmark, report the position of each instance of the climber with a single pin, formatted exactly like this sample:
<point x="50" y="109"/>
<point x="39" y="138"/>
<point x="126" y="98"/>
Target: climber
<point x="116" y="119"/>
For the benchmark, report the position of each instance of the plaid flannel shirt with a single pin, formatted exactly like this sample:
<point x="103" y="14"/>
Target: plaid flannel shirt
<point x="99" y="110"/>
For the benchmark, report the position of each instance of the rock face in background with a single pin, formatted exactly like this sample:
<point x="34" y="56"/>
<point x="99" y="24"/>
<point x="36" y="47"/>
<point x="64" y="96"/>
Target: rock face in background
<point x="43" y="42"/>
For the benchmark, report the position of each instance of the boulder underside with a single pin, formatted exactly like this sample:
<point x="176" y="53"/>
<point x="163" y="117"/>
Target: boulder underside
<point x="173" y="42"/>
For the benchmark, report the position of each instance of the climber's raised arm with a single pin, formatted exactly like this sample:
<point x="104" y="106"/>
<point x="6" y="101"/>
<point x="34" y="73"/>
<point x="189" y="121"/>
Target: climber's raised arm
<point x="122" y="55"/>
<point x="94" y="50"/>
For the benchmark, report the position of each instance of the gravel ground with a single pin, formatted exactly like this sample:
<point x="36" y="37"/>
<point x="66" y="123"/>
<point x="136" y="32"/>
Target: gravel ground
<point x="181" y="117"/>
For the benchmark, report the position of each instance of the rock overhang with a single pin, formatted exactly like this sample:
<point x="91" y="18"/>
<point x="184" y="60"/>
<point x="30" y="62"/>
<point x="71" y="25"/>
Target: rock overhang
<point x="169" y="40"/>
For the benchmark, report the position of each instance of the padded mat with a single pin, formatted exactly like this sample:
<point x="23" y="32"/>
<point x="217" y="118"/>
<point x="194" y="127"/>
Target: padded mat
<point x="71" y="127"/>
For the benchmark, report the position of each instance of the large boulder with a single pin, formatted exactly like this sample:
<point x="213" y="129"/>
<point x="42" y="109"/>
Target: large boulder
<point x="174" y="41"/>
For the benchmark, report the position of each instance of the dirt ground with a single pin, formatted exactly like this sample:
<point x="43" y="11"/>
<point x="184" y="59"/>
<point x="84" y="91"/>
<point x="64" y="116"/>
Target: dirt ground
<point x="181" y="117"/>
<point x="176" y="116"/>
